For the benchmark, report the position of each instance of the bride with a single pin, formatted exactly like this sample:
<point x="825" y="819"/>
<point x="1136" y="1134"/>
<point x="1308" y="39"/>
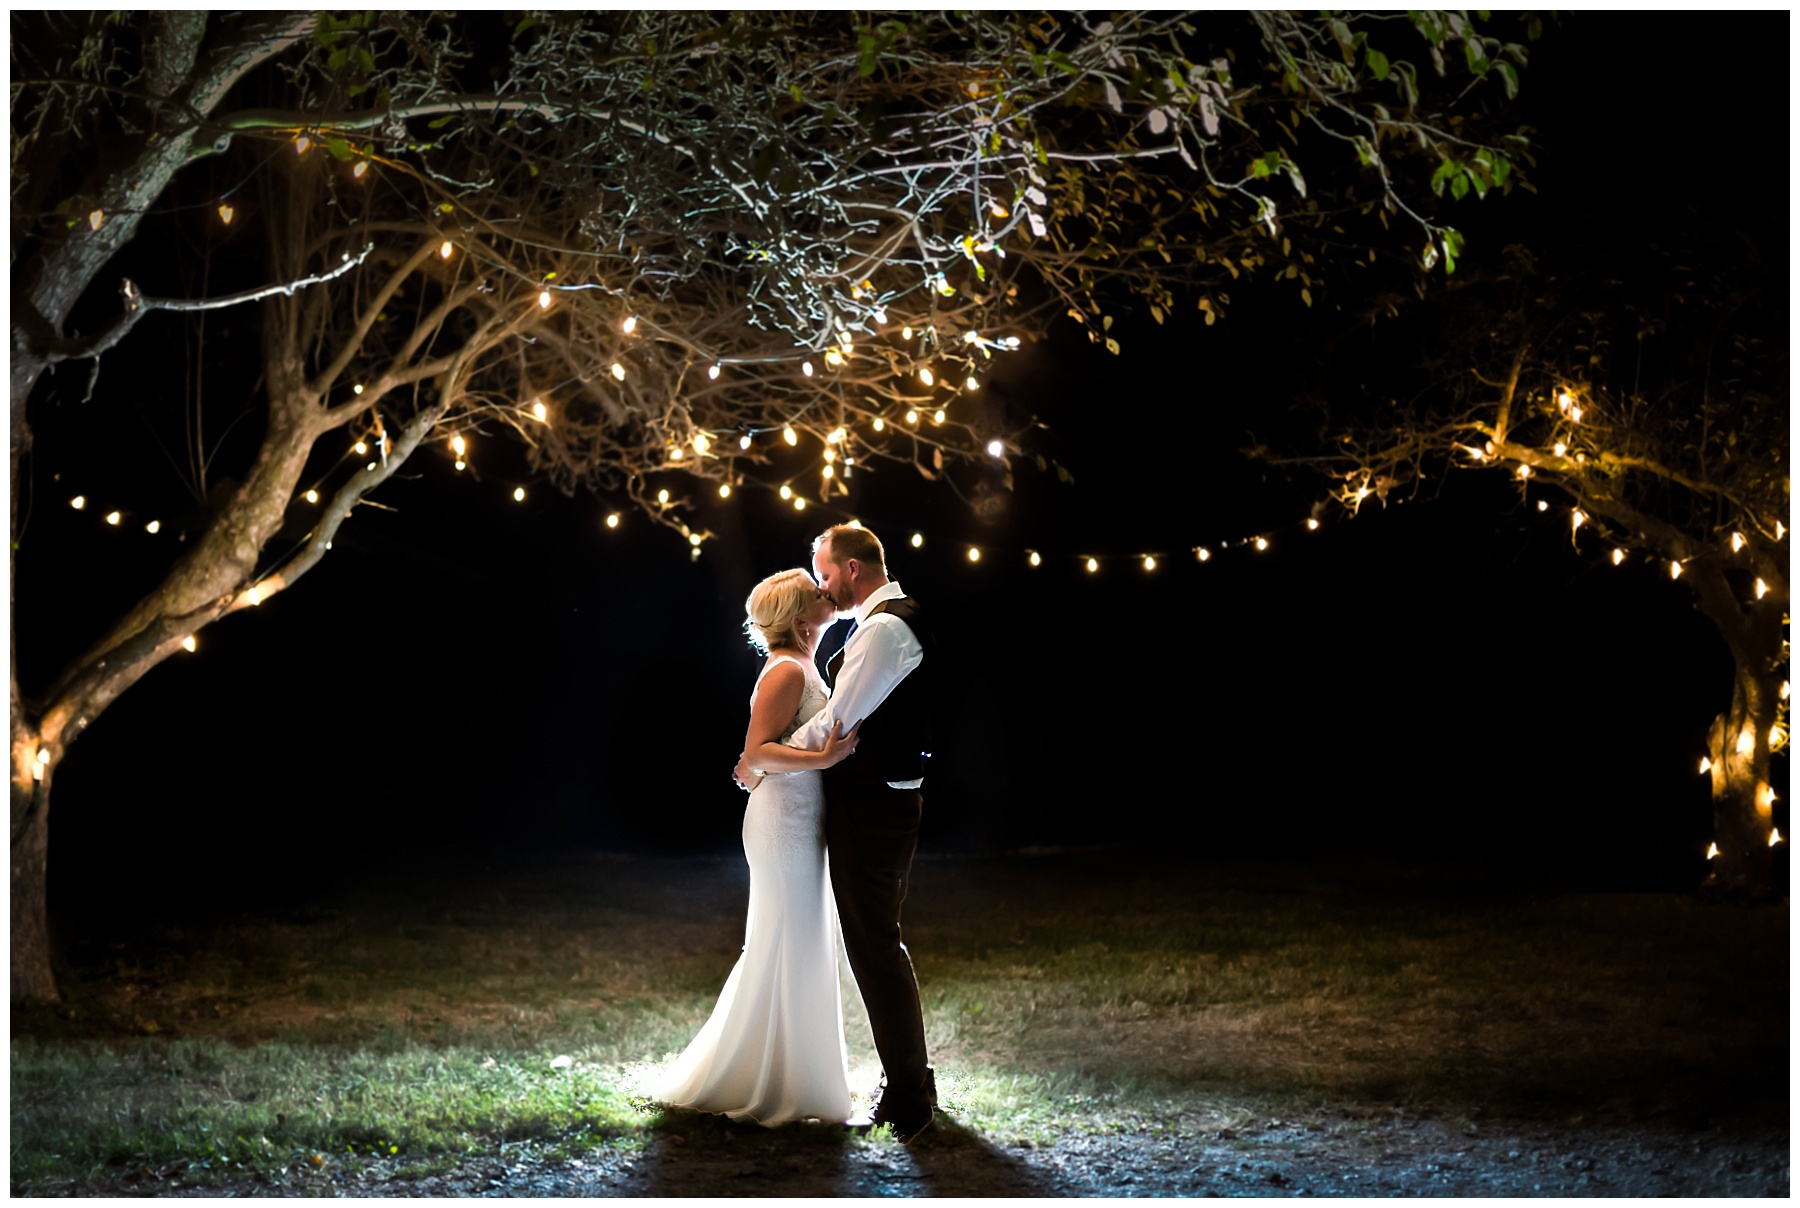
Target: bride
<point x="773" y="1050"/>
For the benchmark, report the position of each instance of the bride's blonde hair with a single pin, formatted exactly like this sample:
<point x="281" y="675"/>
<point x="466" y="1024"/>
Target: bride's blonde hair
<point x="773" y="607"/>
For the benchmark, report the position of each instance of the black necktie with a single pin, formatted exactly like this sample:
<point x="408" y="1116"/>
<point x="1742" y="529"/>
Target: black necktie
<point x="835" y="663"/>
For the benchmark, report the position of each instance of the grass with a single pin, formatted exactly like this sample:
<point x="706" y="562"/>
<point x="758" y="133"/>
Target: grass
<point x="515" y="1013"/>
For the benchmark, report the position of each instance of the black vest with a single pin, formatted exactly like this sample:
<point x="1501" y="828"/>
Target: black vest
<point x="895" y="741"/>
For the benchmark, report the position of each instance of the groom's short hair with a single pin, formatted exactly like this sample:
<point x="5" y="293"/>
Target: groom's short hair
<point x="853" y="541"/>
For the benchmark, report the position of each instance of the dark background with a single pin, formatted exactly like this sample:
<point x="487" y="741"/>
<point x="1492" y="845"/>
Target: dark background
<point x="1442" y="678"/>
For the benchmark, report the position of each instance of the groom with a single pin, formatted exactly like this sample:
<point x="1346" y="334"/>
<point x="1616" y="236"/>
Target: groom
<point x="872" y="803"/>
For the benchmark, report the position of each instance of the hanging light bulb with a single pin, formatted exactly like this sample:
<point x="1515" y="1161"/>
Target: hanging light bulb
<point x="446" y="249"/>
<point x="1674" y="570"/>
<point x="361" y="448"/>
<point x="155" y="526"/>
<point x="836" y="436"/>
<point x="879" y="424"/>
<point x="1203" y="554"/>
<point x="301" y="144"/>
<point x="937" y="417"/>
<point x="918" y="539"/>
<point x="540" y="412"/>
<point x="806" y="368"/>
<point x="629" y="325"/>
<point x="744" y="441"/>
<point x="189" y="644"/>
<point x="362" y="165"/>
<point x="1093" y="564"/>
<point x="1712" y="851"/>
<point x="713" y="373"/>
<point x="1762" y="588"/>
<point x="226" y="213"/>
<point x="1765" y="798"/>
<point x="1618" y="556"/>
<point x="458" y="445"/>
<point x="974" y="554"/>
<point x="544" y="299"/>
<point x="312" y="497"/>
<point x="702" y="442"/>
<point x="1705" y="764"/>
<point x="925" y="376"/>
<point x="1737" y="542"/>
<point x="113" y="518"/>
<point x="833" y="357"/>
<point x="906" y="333"/>
<point x="694" y="539"/>
<point x="662" y="496"/>
<point x="724" y="490"/>
<point x="827" y="470"/>
<point x="1034" y="559"/>
<point x="995" y="448"/>
<point x="675" y="452"/>
<point x="1262" y="543"/>
<point x="618" y="371"/>
<point x="786" y="491"/>
<point x="971" y="383"/>
<point x="518" y="494"/>
<point x="1543" y="505"/>
<point x="1746" y="742"/>
<point x="1577" y="518"/>
<point x="912" y="417"/>
<point x="1312" y="525"/>
<point x="1559" y="448"/>
<point x="799" y="504"/>
<point x="788" y="434"/>
<point x="79" y="502"/>
<point x="612" y="520"/>
<point x="1774" y="836"/>
<point x="1149" y="562"/>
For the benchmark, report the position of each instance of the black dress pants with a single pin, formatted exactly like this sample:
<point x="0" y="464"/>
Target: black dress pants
<point x="870" y="835"/>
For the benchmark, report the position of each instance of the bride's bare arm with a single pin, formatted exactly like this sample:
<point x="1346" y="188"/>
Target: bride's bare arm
<point x="777" y="697"/>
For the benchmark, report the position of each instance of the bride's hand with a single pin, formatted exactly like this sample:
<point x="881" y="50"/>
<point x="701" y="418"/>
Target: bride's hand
<point x="839" y="746"/>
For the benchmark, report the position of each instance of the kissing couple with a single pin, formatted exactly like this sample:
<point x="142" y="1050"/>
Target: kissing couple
<point x="833" y="766"/>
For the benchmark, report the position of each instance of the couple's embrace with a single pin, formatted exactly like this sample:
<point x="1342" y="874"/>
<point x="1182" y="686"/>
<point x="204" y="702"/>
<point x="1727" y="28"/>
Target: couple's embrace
<point x="834" y="772"/>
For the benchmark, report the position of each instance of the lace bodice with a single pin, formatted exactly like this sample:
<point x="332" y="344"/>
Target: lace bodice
<point x="813" y="696"/>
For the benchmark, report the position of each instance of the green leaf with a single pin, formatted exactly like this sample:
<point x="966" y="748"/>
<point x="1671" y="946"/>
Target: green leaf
<point x="1478" y="60"/>
<point x="1378" y="63"/>
<point x="446" y="208"/>
<point x="1509" y="79"/>
<point x="1459" y="185"/>
<point x="524" y="24"/>
<point x="336" y="59"/>
<point x="364" y="59"/>
<point x="339" y="148"/>
<point x="794" y="91"/>
<point x="1502" y="169"/>
<point x="440" y="123"/>
<point x="865" y="64"/>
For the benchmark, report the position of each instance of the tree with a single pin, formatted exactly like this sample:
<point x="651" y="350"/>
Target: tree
<point x="1647" y="393"/>
<point x="653" y="245"/>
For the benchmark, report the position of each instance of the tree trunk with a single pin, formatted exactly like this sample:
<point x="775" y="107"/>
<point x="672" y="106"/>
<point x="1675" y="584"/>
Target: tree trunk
<point x="1743" y="801"/>
<point x="32" y="980"/>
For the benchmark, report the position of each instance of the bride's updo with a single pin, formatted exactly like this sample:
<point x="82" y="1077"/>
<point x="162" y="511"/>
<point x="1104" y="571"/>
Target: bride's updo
<point x="773" y="607"/>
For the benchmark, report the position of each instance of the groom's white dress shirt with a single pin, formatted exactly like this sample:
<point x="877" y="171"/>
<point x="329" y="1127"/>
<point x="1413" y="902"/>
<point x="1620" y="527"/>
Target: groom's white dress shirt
<point x="880" y="652"/>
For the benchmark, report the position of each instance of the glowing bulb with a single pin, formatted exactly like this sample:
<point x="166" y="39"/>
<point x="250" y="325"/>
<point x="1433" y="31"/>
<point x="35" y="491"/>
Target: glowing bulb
<point x="114" y="518"/>
<point x="1712" y="851"/>
<point x="925" y="376"/>
<point x="43" y="756"/>
<point x="830" y="456"/>
<point x="1563" y="399"/>
<point x="153" y="527"/>
<point x="937" y="417"/>
<point x="544" y="299"/>
<point x="1311" y="524"/>
<point x="312" y="497"/>
<point x="912" y="417"/>
<point x="836" y="436"/>
<point x="918" y="539"/>
<point x="629" y="325"/>
<point x="744" y="441"/>
<point x="1093" y="564"/>
<point x="541" y="412"/>
<point x="618" y="371"/>
<point x="827" y="470"/>
<point x="461" y="464"/>
<point x="694" y="539"/>
<point x="974" y="554"/>
<point x="254" y="595"/>
<point x="79" y="502"/>
<point x="806" y="368"/>
<point x="906" y="333"/>
<point x="1774" y="836"/>
<point x="1777" y="738"/>
<point x="1577" y="518"/>
<point x="1785" y="690"/>
<point x="702" y="442"/>
<point x="458" y="445"/>
<point x="1559" y="448"/>
<point x="972" y="384"/>
<point x="1149" y="562"/>
<point x="1575" y="414"/>
<point x="788" y="434"/>
<point x="1780" y="530"/>
<point x="786" y="492"/>
<point x="225" y="214"/>
<point x="1762" y="589"/>
<point x="518" y="494"/>
<point x="1618" y="556"/>
<point x="1543" y="506"/>
<point x="1524" y="471"/>
<point x="1746" y="742"/>
<point x="189" y="644"/>
<point x="301" y="144"/>
<point x="880" y="315"/>
<point x="446" y="249"/>
<point x="1262" y="543"/>
<point x="612" y="520"/>
<point x="675" y="453"/>
<point x="1034" y="558"/>
<point x="361" y="447"/>
<point x="1674" y="570"/>
<point x="361" y="167"/>
<point x="1737" y="542"/>
<point x="356" y="389"/>
<point x="799" y="504"/>
<point x="724" y="490"/>
<point x="879" y="424"/>
<point x="713" y="373"/>
<point x="1765" y="798"/>
<point x="1705" y="764"/>
<point x="662" y="496"/>
<point x="995" y="448"/>
<point x="1203" y="554"/>
<point x="833" y="357"/>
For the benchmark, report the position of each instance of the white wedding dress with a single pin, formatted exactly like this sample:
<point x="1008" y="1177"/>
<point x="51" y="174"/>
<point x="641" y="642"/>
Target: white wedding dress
<point x="774" y="1050"/>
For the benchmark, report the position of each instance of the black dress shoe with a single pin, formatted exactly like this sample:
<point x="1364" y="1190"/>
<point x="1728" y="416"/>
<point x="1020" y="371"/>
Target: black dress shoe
<point x="908" y="1114"/>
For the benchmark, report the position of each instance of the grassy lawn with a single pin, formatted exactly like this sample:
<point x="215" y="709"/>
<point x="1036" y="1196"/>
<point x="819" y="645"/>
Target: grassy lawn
<point x="516" y="1011"/>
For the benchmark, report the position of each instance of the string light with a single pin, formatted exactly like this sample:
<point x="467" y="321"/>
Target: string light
<point x="1576" y="519"/>
<point x="662" y="496"/>
<point x="906" y="333"/>
<point x="362" y="166"/>
<point x="744" y="441"/>
<point x="912" y="417"/>
<point x="518" y="494"/>
<point x="1033" y="558"/>
<point x="461" y="464"/>
<point x="189" y="644"/>
<point x="79" y="502"/>
<point x="674" y="452"/>
<point x="301" y="144"/>
<point x="1312" y="526"/>
<point x="1705" y="764"/>
<point x="1762" y="588"/>
<point x="1712" y="851"/>
<point x="925" y="376"/>
<point x="618" y="371"/>
<point x="1202" y="554"/>
<point x="713" y="373"/>
<point x="1149" y="562"/>
<point x="1774" y="835"/>
<point x="694" y="539"/>
<point x="830" y="456"/>
<point x="629" y="325"/>
<point x="446" y="249"/>
<point x="918" y="539"/>
<point x="1618" y="556"/>
<point x="155" y="526"/>
<point x="1575" y="414"/>
<point x="937" y="417"/>
<point x="1093" y="564"/>
<point x="833" y="357"/>
<point x="786" y="491"/>
<point x="541" y="412"/>
<point x="1777" y="738"/>
<point x="836" y="436"/>
<point x="1785" y="689"/>
<point x="702" y="442"/>
<point x="1563" y="400"/>
<point x="1559" y="448"/>
<point x="312" y="497"/>
<point x="724" y="490"/>
<point x="254" y="595"/>
<point x="1524" y="471"/>
<point x="806" y="368"/>
<point x="1737" y="542"/>
<point x="612" y="520"/>
<point x="879" y="424"/>
<point x="1780" y="530"/>
<point x="1262" y="543"/>
<point x="799" y="504"/>
<point x="788" y="434"/>
<point x="1765" y="798"/>
<point x="826" y="471"/>
<point x="356" y="389"/>
<point x="458" y="445"/>
<point x="1543" y="505"/>
<point x="972" y="384"/>
<point x="974" y="554"/>
<point x="995" y="448"/>
<point x="114" y="518"/>
<point x="1746" y="741"/>
<point x="544" y="299"/>
<point x="1674" y="570"/>
<point x="361" y="448"/>
<point x="225" y="214"/>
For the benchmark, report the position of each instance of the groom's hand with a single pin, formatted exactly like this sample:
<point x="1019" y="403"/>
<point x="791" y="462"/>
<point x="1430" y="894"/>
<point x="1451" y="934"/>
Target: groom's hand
<point x="746" y="777"/>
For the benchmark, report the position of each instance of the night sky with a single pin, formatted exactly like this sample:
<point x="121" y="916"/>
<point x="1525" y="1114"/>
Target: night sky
<point x="1445" y="678"/>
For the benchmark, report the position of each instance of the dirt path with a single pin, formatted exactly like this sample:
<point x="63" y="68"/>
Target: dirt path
<point x="1396" y="1157"/>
